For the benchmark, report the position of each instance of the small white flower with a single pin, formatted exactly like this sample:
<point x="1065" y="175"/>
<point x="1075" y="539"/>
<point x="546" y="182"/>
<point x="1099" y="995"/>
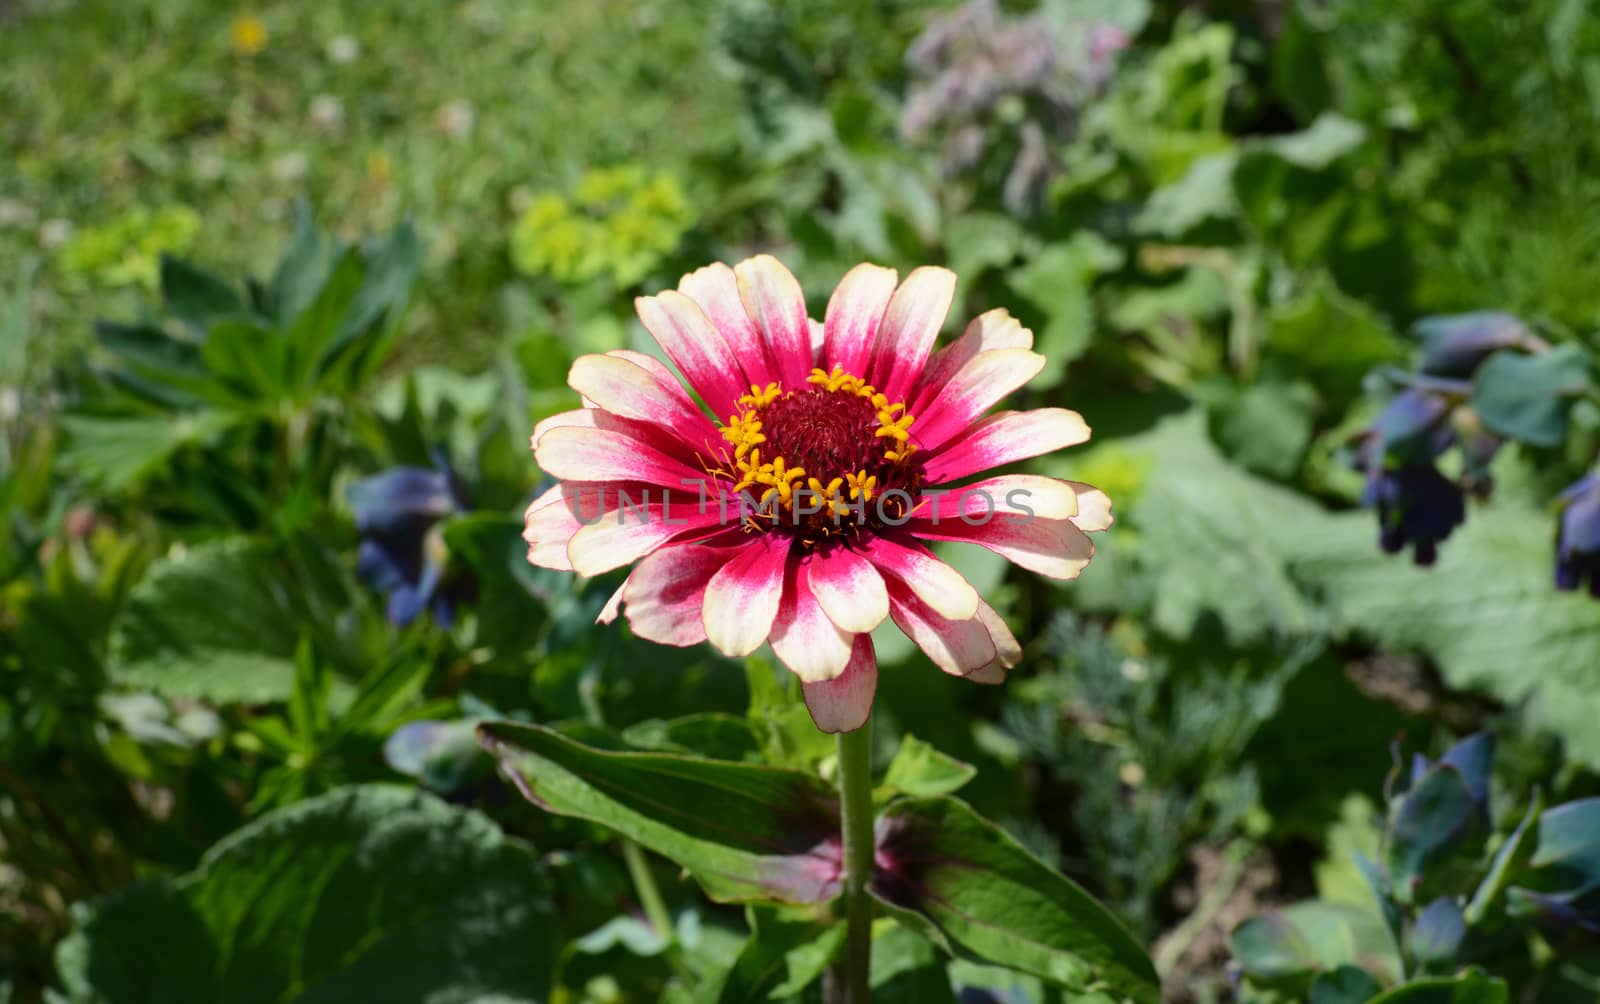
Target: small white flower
<point x="15" y="213"/>
<point x="290" y="167"/>
<point x="344" y="49"/>
<point x="54" y="233"/>
<point x="327" y="113"/>
<point x="455" y="118"/>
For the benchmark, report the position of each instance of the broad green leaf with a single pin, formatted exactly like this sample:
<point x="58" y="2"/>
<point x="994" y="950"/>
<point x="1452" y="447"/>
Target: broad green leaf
<point x="1527" y="397"/>
<point x="198" y="298"/>
<point x="907" y="968"/>
<point x="151" y="364"/>
<point x="1203" y="195"/>
<point x="248" y="359"/>
<point x="114" y="454"/>
<point x="1206" y="533"/>
<point x="312" y="332"/>
<point x="303" y="268"/>
<point x="1265" y="426"/>
<point x="1471" y="987"/>
<point x="1485" y="614"/>
<point x="745" y="832"/>
<point x="213" y="623"/>
<point x="972" y="888"/>
<point x="1434" y="818"/>
<point x="781" y="958"/>
<point x="1057" y="282"/>
<point x="707" y="733"/>
<point x="1286" y="948"/>
<point x="373" y="893"/>
<point x="920" y="770"/>
<point x="1344" y="985"/>
<point x="1510" y="857"/>
<point x="979" y="241"/>
<point x="1330" y="338"/>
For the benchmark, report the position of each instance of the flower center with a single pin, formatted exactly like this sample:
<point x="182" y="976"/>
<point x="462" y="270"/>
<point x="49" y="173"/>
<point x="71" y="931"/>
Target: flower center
<point x="824" y="460"/>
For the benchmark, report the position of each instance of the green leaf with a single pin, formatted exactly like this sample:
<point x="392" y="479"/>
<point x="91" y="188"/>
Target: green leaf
<point x="1486" y="614"/>
<point x="1330" y="338"/>
<point x="198" y="298"/>
<point x="920" y="770"/>
<point x="745" y="832"/>
<point x="707" y="733"/>
<point x="366" y="893"/>
<point x="1471" y="987"/>
<point x="972" y="888"/>
<point x="1265" y="426"/>
<point x="1204" y="194"/>
<point x="1057" y="282"/>
<point x="303" y="269"/>
<point x="906" y="967"/>
<point x="1433" y="818"/>
<point x="213" y="623"/>
<point x="1345" y="985"/>
<point x="1285" y="948"/>
<point x="781" y="958"/>
<point x="313" y="332"/>
<point x="1206" y="533"/>
<point x="1527" y="397"/>
<point x="114" y="454"/>
<point x="979" y="241"/>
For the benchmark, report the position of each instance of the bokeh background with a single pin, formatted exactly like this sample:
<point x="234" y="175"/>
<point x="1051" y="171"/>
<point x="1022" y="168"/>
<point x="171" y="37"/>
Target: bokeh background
<point x="1223" y="222"/>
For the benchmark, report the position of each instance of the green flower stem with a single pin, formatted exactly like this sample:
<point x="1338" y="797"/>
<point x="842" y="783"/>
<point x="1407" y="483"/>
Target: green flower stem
<point x="655" y="908"/>
<point x="855" y="805"/>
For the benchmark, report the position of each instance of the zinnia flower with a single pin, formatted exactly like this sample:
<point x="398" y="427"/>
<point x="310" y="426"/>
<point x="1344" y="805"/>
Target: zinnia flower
<point x="799" y="515"/>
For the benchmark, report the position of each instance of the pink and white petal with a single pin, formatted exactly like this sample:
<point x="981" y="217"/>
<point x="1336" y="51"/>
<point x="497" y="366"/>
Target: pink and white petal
<point x="775" y="302"/>
<point x="855" y="312"/>
<point x="665" y="594"/>
<point x="1052" y="547"/>
<point x="843" y="704"/>
<point x="696" y="347"/>
<point x="1004" y="496"/>
<point x="628" y="390"/>
<point x="613" y="607"/>
<point x="910" y="326"/>
<point x="577" y="418"/>
<point x="742" y="598"/>
<point x="803" y="638"/>
<point x="957" y="647"/>
<point x="548" y="524"/>
<point x="1008" y="651"/>
<point x="977" y="386"/>
<point x="1002" y="439"/>
<point x="716" y="289"/>
<point x="990" y="674"/>
<point x="915" y="567"/>
<point x="626" y="534"/>
<point x="577" y="454"/>
<point x="1094" y="508"/>
<point x="847" y="588"/>
<point x="992" y="329"/>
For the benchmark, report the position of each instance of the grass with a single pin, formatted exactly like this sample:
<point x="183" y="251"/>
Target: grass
<point x="451" y="112"/>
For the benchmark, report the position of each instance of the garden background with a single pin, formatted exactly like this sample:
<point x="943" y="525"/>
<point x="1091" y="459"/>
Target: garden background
<point x="252" y="257"/>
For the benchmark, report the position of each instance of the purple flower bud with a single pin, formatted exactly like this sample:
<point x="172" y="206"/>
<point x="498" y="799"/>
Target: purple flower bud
<point x="1417" y="506"/>
<point x="1578" y="536"/>
<point x="1453" y="346"/>
<point x="402" y="553"/>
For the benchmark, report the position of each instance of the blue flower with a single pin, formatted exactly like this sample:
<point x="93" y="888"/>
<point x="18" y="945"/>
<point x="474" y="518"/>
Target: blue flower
<point x="1416" y="504"/>
<point x="1578" y="536"/>
<point x="1456" y="345"/>
<point x="402" y="550"/>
